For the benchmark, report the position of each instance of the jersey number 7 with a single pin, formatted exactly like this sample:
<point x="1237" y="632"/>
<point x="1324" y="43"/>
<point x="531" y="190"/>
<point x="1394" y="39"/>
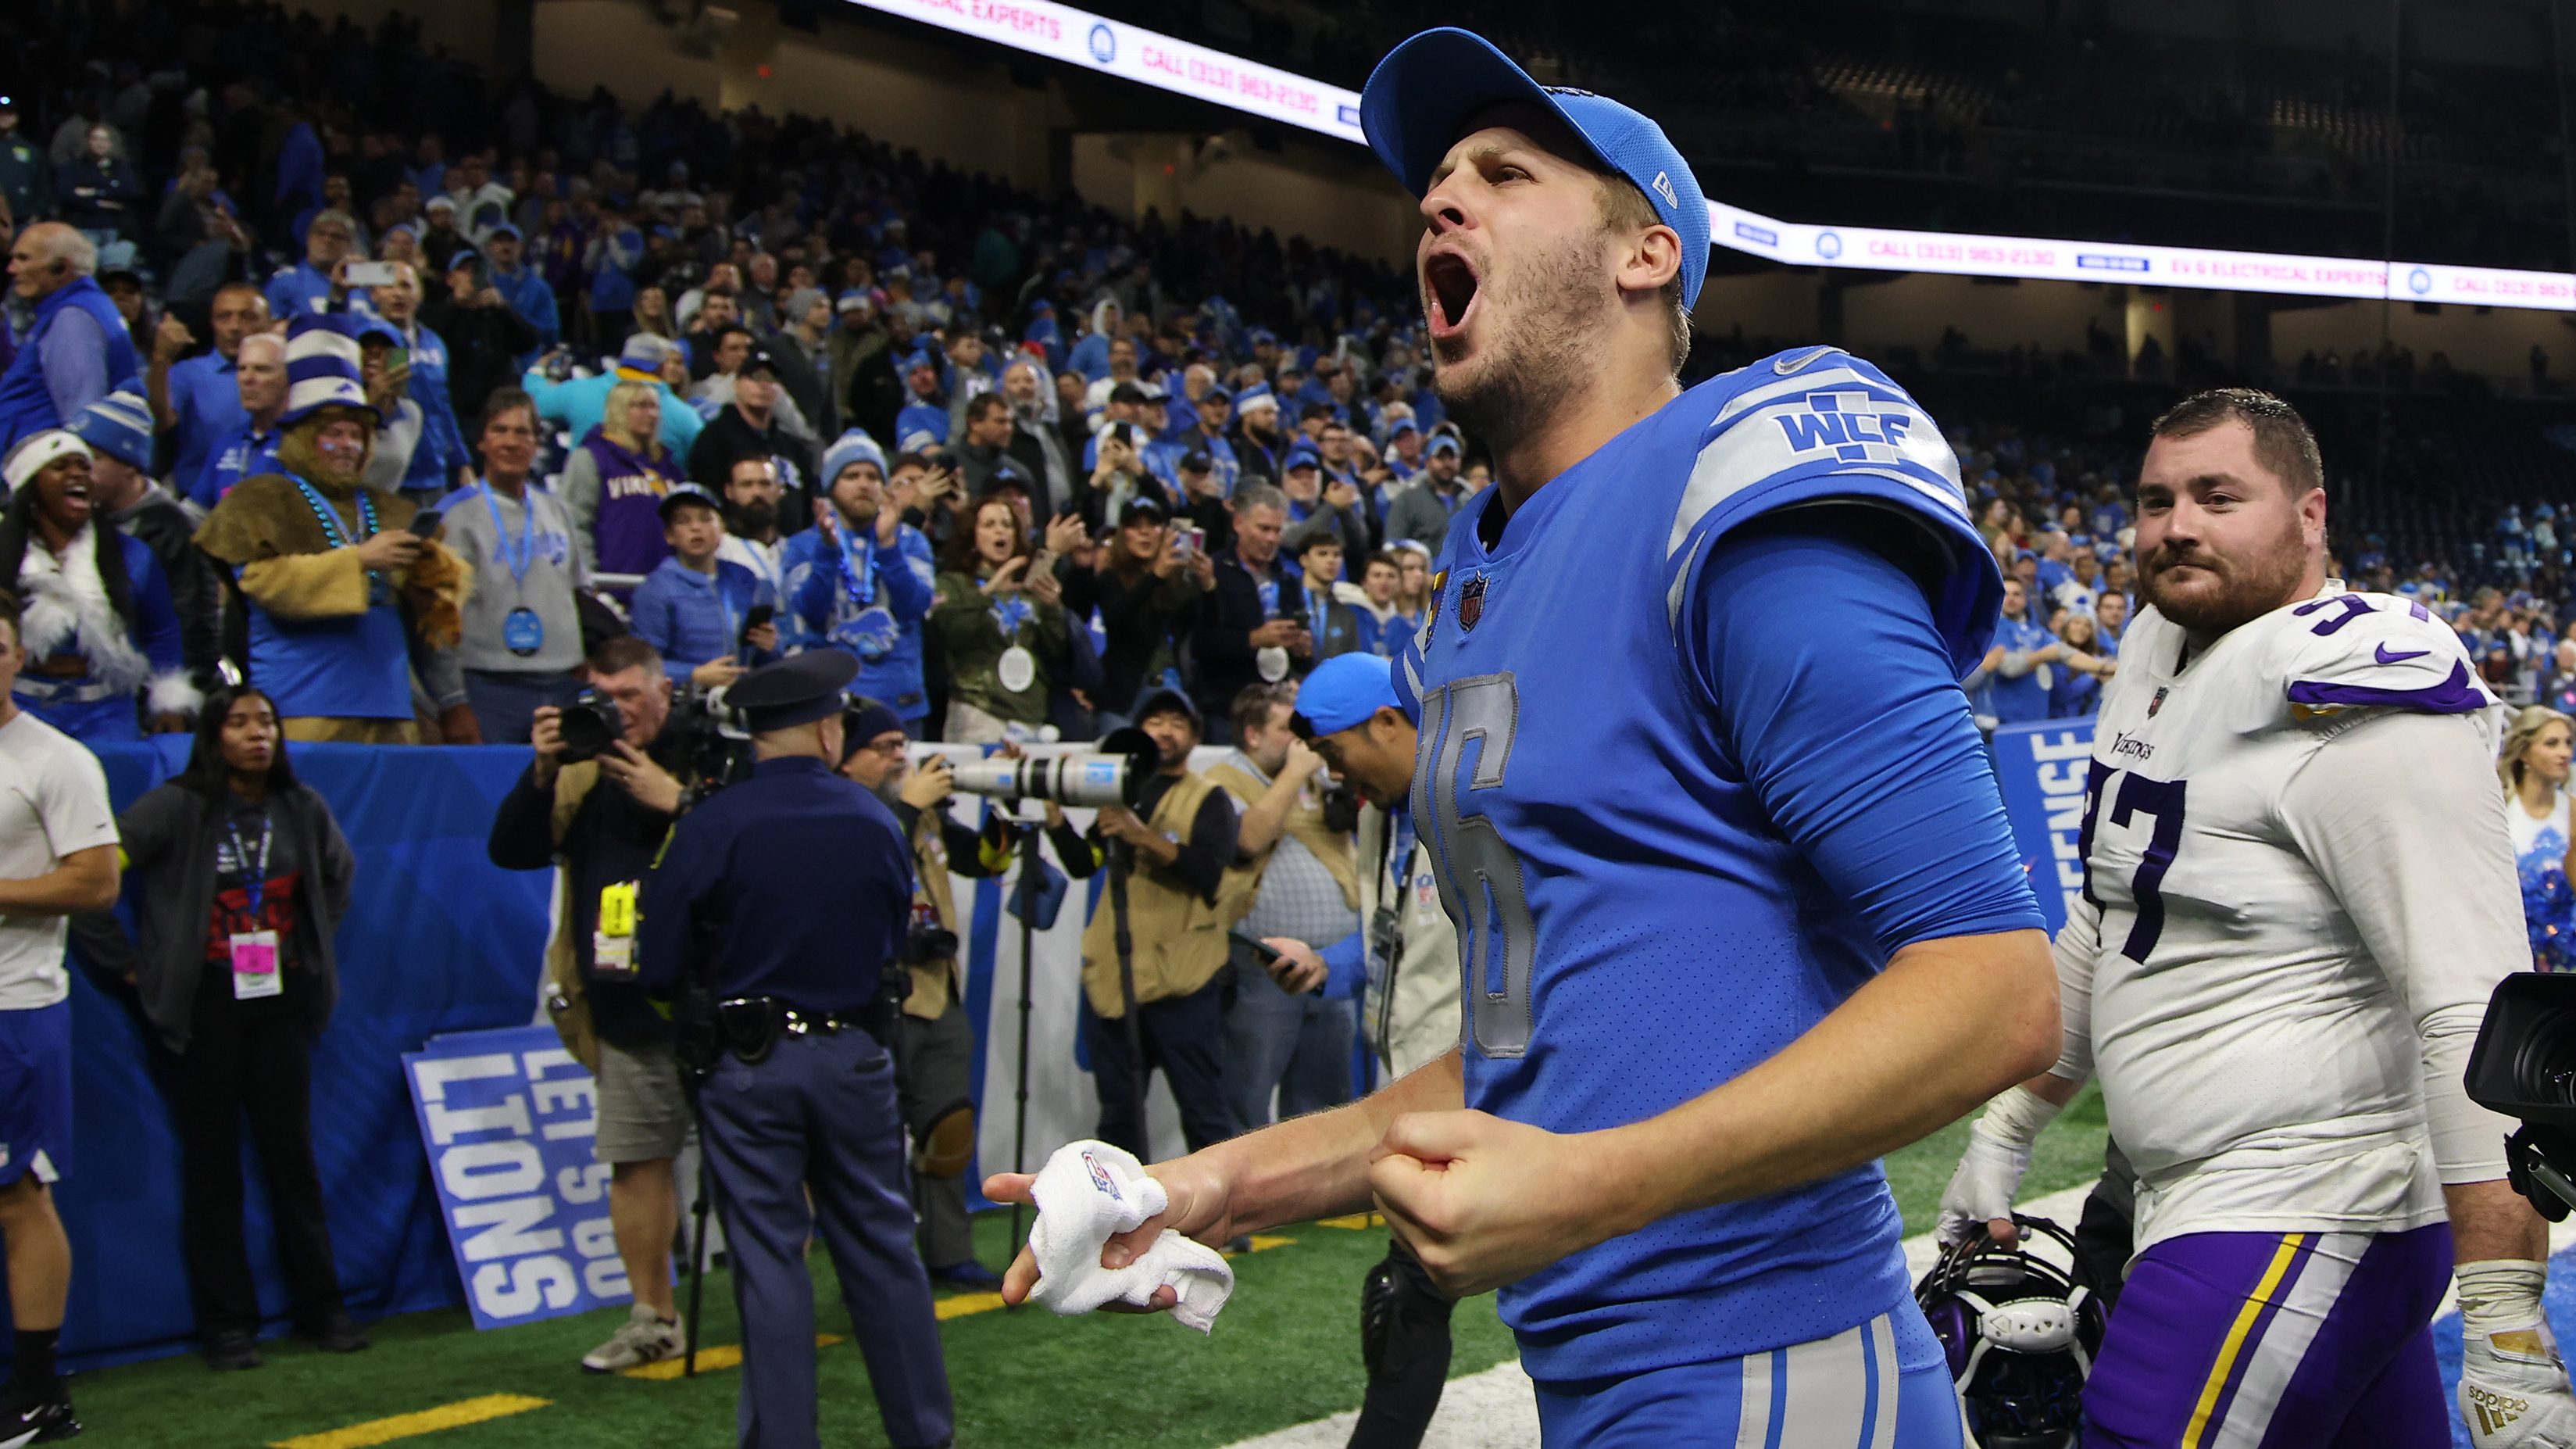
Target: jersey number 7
<point x="2137" y="795"/>
<point x="1480" y="877"/>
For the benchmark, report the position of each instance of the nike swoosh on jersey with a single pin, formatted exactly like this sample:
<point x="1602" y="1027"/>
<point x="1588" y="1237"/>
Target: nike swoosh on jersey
<point x="1788" y="365"/>
<point x="2400" y="656"/>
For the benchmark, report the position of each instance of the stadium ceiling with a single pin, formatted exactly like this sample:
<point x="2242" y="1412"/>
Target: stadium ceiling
<point x="1111" y="47"/>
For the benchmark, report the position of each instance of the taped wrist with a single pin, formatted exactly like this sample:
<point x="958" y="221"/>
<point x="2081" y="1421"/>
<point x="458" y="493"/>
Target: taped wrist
<point x="2016" y="1117"/>
<point x="2501" y="1294"/>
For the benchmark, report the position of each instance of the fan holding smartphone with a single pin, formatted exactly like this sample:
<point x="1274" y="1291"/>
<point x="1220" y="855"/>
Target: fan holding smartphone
<point x="311" y="543"/>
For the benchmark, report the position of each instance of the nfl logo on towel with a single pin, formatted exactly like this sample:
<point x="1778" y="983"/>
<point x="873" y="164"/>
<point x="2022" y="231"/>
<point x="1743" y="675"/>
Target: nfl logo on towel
<point x="1101" y="1179"/>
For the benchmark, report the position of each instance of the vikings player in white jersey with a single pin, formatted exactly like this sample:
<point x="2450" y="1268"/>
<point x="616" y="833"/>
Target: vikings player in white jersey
<point x="2299" y="894"/>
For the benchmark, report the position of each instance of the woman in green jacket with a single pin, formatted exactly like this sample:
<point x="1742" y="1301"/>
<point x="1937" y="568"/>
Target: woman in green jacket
<point x="999" y="620"/>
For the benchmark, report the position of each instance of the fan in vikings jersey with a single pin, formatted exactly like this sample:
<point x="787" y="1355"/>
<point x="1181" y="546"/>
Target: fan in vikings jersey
<point x="1734" y="918"/>
<point x="2299" y="894"/>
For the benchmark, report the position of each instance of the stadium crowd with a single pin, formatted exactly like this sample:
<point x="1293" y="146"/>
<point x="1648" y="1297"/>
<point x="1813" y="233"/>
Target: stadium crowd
<point x="428" y="415"/>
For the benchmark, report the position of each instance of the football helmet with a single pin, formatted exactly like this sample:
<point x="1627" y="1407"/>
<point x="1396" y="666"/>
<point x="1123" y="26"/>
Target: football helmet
<point x="2021" y="1335"/>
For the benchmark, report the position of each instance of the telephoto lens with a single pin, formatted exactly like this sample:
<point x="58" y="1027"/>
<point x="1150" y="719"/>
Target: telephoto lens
<point x="1114" y="774"/>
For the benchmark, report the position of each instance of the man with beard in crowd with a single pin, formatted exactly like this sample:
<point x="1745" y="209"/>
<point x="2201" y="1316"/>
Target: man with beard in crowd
<point x="752" y="538"/>
<point x="1422" y="512"/>
<point x="862" y="579"/>
<point x="1260" y="449"/>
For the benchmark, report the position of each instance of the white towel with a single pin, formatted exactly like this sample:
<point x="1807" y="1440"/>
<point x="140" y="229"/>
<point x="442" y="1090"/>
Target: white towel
<point x="1089" y="1192"/>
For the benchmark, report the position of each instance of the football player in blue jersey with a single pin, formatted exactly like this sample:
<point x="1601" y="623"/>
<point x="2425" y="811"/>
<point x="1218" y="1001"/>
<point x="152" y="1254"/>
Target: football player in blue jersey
<point x="1735" y="917"/>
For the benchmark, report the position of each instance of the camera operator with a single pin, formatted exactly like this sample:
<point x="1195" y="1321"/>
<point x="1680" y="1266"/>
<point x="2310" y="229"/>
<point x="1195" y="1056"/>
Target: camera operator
<point x="603" y="818"/>
<point x="935" y="1053"/>
<point x="1181" y="897"/>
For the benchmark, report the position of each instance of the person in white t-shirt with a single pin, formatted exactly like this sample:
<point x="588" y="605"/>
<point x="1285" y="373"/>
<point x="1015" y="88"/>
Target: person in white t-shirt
<point x="57" y="857"/>
<point x="2534" y="768"/>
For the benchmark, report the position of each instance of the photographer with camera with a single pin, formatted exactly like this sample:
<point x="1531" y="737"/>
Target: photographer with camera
<point x="935" y="1053"/>
<point x="1181" y="897"/>
<point x="785" y="963"/>
<point x="598" y="800"/>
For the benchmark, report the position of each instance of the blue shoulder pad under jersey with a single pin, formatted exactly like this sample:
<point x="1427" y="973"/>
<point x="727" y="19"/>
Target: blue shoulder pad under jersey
<point x="1817" y="424"/>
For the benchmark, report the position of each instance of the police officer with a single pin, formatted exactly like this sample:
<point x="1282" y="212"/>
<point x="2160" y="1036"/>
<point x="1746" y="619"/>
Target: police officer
<point x="786" y="961"/>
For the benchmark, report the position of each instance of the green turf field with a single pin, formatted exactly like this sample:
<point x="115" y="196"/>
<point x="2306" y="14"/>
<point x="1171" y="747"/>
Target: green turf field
<point x="1287" y="1350"/>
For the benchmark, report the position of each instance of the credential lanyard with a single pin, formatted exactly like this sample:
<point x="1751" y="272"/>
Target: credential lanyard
<point x="254" y="873"/>
<point x="521" y="556"/>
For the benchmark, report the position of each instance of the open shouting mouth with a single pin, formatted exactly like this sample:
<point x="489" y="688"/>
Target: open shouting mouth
<point x="1449" y="291"/>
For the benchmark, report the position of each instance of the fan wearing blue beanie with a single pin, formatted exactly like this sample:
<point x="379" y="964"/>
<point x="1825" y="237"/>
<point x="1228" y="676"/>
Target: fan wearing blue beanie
<point x="1709" y="977"/>
<point x="118" y="429"/>
<point x="861" y="580"/>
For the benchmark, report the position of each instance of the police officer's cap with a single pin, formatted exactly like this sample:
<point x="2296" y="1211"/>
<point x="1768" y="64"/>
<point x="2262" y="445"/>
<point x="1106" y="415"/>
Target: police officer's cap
<point x="794" y="691"/>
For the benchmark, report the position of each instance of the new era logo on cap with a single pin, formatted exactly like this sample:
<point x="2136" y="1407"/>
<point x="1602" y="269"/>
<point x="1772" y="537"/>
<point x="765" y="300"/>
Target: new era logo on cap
<point x="1664" y="188"/>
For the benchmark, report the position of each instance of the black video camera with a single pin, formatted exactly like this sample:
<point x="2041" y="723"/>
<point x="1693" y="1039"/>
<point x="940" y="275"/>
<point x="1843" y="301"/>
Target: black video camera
<point x="2524" y="1066"/>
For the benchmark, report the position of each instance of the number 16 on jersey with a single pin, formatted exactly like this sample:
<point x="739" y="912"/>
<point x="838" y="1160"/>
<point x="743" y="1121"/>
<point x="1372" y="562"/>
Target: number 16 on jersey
<point x="1480" y="877"/>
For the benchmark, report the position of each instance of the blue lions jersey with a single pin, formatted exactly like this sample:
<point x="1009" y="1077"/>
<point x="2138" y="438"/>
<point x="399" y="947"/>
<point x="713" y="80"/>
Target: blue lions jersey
<point x="1635" y="925"/>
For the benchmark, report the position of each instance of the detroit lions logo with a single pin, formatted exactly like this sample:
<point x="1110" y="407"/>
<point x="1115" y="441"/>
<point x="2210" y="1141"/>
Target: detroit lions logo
<point x="871" y="635"/>
<point x="1854" y="426"/>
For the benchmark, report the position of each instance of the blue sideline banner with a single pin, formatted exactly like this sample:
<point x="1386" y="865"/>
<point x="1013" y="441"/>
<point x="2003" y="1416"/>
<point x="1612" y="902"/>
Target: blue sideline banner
<point x="508" y="1118"/>
<point x="2042" y="766"/>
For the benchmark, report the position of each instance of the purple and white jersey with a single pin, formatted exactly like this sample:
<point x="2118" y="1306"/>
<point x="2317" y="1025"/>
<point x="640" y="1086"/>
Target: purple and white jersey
<point x="2299" y="894"/>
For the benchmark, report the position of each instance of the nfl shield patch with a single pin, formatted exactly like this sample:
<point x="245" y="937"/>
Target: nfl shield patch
<point x="1471" y="603"/>
<point x="2158" y="702"/>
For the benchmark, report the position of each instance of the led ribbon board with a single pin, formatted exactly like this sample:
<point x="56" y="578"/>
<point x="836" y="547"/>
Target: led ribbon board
<point x="1080" y="38"/>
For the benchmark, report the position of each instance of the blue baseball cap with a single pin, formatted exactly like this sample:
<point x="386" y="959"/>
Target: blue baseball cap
<point x="1419" y="99"/>
<point x="1346" y="691"/>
